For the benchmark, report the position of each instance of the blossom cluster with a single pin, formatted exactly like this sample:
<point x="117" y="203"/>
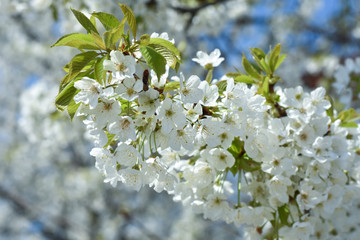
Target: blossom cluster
<point x="296" y="166"/>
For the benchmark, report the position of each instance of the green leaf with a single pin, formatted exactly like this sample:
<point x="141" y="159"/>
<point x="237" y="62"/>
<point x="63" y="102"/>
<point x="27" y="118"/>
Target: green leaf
<point x="348" y="118"/>
<point x="107" y="20"/>
<point x="170" y="86"/>
<point x="279" y="61"/>
<point x="77" y="40"/>
<point x="77" y="64"/>
<point x="113" y="36"/>
<point x="265" y="86"/>
<point x="258" y="53"/>
<point x="248" y="164"/>
<point x="73" y="107"/>
<point x="209" y="76"/>
<point x="167" y="44"/>
<point x="221" y="85"/>
<point x="284" y="214"/>
<point x="166" y="53"/>
<point x="274" y="57"/>
<point x="177" y="66"/>
<point x="84" y="21"/>
<point x="130" y="18"/>
<point x="66" y="95"/>
<point x="154" y="59"/>
<point x="144" y="39"/>
<point x="93" y="21"/>
<point x="110" y="138"/>
<point x="236" y="147"/>
<point x="349" y="125"/>
<point x="235" y="168"/>
<point x="98" y="40"/>
<point x="99" y="72"/>
<point x="249" y="68"/>
<point x="167" y="50"/>
<point x="244" y="79"/>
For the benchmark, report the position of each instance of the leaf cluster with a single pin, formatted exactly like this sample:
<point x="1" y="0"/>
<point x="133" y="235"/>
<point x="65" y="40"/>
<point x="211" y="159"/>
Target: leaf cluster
<point x="96" y="47"/>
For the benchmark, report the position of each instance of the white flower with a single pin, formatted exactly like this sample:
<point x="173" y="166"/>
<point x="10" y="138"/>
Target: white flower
<point x="278" y="164"/>
<point x="216" y="206"/>
<point x="316" y="103"/>
<point x="291" y="97"/>
<point x="193" y="111"/>
<point x="171" y="115"/>
<point x="298" y="231"/>
<point x="218" y="158"/>
<point x="190" y="92"/>
<point x="132" y="178"/>
<point x="104" y="159"/>
<point x="149" y="101"/>
<point x="306" y="137"/>
<point x="182" y="137"/>
<point x="120" y="65"/>
<point x="209" y="131"/>
<point x="163" y="35"/>
<point x="212" y="60"/>
<point x="90" y="91"/>
<point x="211" y="94"/>
<point x="308" y="197"/>
<point x="124" y="128"/>
<point x="334" y="195"/>
<point x="126" y="155"/>
<point x="201" y="175"/>
<point x="106" y="111"/>
<point x="278" y="188"/>
<point x="129" y="88"/>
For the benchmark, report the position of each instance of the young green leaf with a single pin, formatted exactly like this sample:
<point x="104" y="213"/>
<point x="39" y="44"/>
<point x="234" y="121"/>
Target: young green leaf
<point x="244" y="79"/>
<point x="84" y="21"/>
<point x="284" y="214"/>
<point x="77" y="64"/>
<point x="99" y="71"/>
<point x="98" y="41"/>
<point x="67" y="93"/>
<point x="221" y="85"/>
<point x="265" y="86"/>
<point x="113" y="36"/>
<point x="111" y="139"/>
<point x="144" y="39"/>
<point x="77" y="40"/>
<point x="248" y="164"/>
<point x="279" y="61"/>
<point x="154" y="59"/>
<point x="209" y="76"/>
<point x="167" y="44"/>
<point x="107" y="20"/>
<point x="130" y="18"/>
<point x="170" y="86"/>
<point x="348" y="118"/>
<point x="249" y="68"/>
<point x="72" y="107"/>
<point x="274" y="56"/>
<point x="65" y="96"/>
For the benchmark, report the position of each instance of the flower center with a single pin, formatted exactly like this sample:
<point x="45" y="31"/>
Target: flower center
<point x="125" y="124"/>
<point x="121" y="67"/>
<point x="130" y="91"/>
